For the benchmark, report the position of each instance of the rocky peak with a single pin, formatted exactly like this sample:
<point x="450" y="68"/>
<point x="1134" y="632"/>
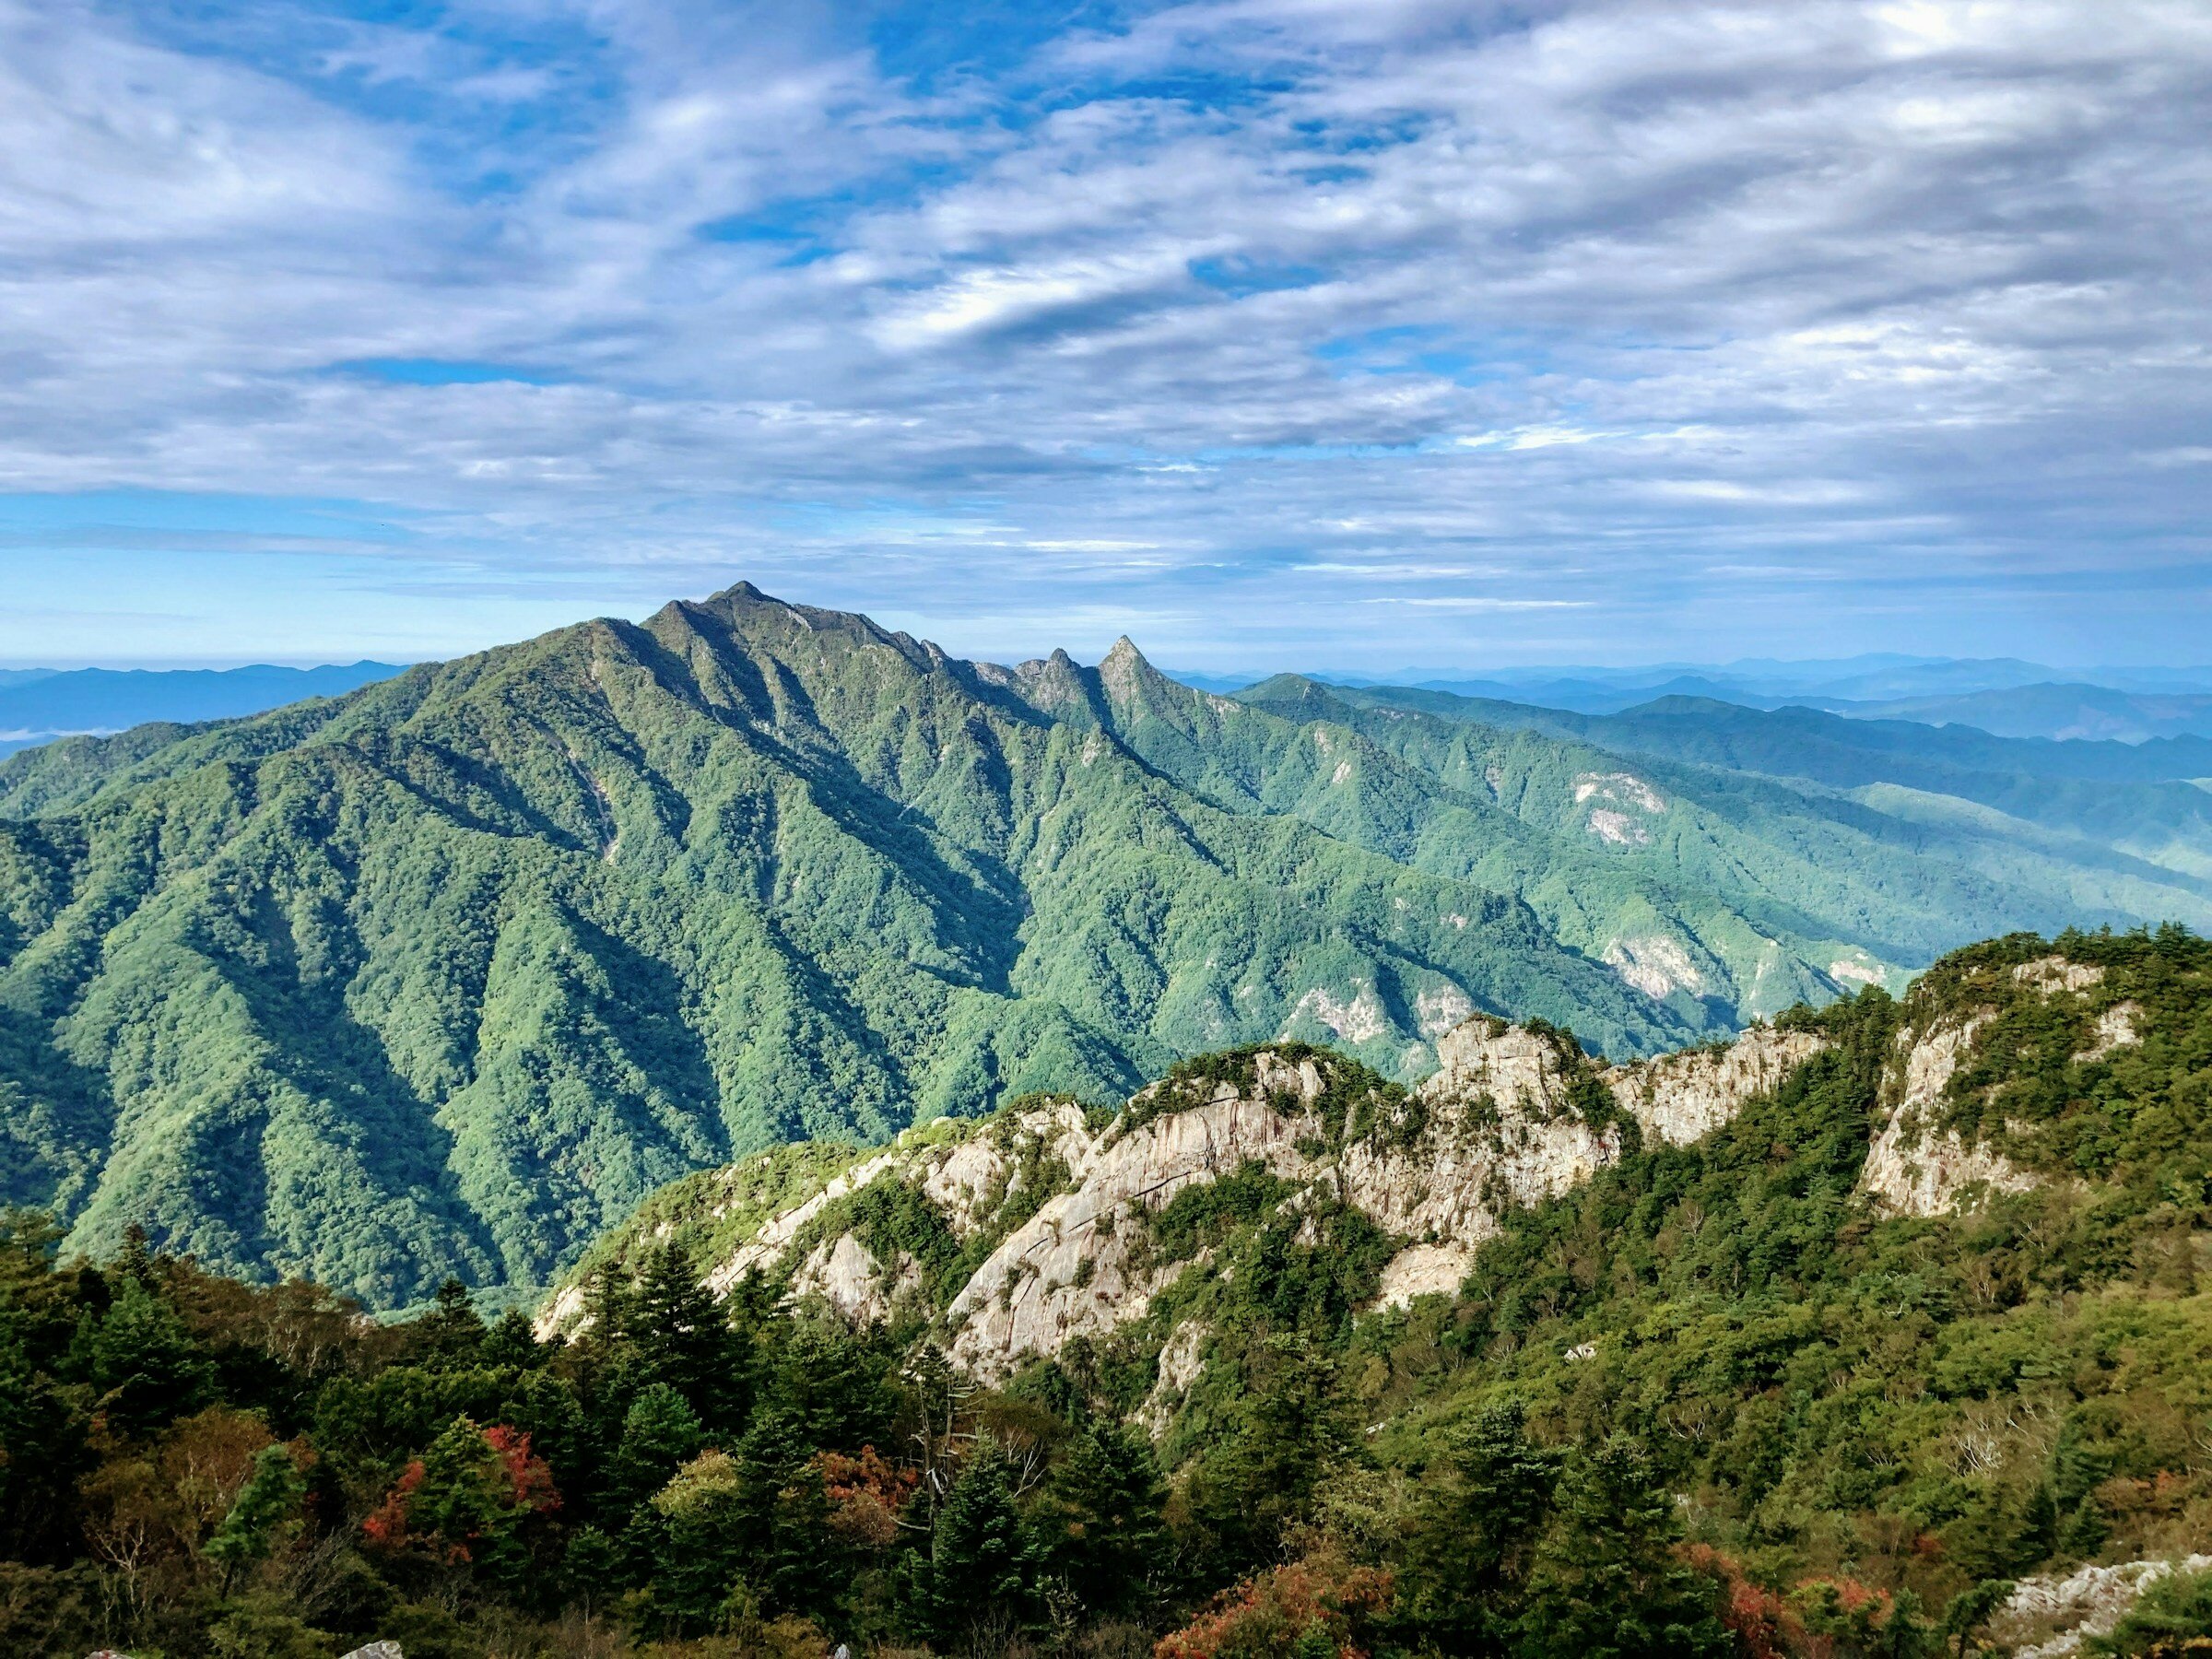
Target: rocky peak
<point x="1122" y="670"/>
<point x="1918" y="1164"/>
<point x="1504" y="1122"/>
<point x="1057" y="687"/>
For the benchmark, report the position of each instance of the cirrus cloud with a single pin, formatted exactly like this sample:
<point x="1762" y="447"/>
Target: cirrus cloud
<point x="1600" y="326"/>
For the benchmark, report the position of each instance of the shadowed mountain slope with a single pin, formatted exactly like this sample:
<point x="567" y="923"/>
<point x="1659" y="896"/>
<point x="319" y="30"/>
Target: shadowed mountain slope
<point x="452" y="970"/>
<point x="448" y="973"/>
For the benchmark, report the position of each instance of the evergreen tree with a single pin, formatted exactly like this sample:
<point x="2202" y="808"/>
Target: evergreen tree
<point x="1478" y="1521"/>
<point x="136" y="1260"/>
<point x="1606" y="1583"/>
<point x="660" y="1434"/>
<point x="1296" y="1428"/>
<point x="452" y="1334"/>
<point x="144" y="1368"/>
<point x="2085" y="1531"/>
<point x="791" y="1558"/>
<point x="684" y="1340"/>
<point x="979" y="1568"/>
<point x="590" y="1567"/>
<point x="828" y="1388"/>
<point x="511" y="1344"/>
<point x="266" y="1508"/>
<point x="1098" y="1523"/>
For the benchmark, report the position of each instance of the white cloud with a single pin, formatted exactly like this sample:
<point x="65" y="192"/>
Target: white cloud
<point x="1918" y="282"/>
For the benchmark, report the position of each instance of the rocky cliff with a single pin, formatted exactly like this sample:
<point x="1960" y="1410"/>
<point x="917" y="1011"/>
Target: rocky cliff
<point x="1940" y="1143"/>
<point x="1013" y="1235"/>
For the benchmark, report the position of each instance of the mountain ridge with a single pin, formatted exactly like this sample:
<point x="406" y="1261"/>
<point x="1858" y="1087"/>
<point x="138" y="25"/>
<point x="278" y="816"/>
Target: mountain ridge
<point x="450" y="973"/>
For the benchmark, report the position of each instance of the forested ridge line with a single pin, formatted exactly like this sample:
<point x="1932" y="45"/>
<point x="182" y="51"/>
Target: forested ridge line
<point x="447" y="975"/>
<point x="1714" y="1401"/>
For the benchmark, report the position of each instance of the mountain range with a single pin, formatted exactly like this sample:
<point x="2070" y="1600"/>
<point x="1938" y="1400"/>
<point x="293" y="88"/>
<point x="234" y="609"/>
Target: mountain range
<point x="2003" y="696"/>
<point x="447" y="974"/>
<point x="38" y="704"/>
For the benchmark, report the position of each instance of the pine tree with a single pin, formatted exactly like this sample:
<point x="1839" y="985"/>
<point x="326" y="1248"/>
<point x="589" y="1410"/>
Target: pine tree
<point x="267" y="1508"/>
<point x="1606" y="1583"/>
<point x="1478" y="1524"/>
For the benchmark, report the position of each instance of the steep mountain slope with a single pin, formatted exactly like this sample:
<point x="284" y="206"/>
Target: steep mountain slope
<point x="1045" y="1225"/>
<point x="451" y="973"/>
<point x="2012" y="1068"/>
<point x="453" y="970"/>
<point x="1901" y="1298"/>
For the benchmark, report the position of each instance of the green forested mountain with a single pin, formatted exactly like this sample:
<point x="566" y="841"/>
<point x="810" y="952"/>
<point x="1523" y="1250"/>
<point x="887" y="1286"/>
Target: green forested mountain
<point x="1731" y="1394"/>
<point x="447" y="974"/>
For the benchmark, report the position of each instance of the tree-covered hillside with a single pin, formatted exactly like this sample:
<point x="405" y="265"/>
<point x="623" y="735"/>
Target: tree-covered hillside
<point x="1720" y="1400"/>
<point x="448" y="973"/>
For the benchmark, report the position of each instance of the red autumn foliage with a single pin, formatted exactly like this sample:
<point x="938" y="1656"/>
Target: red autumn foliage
<point x="1763" y="1624"/>
<point x="865" y="1493"/>
<point x="531" y="1476"/>
<point x="386" y="1526"/>
<point x="508" y="1481"/>
<point x="1268" y="1616"/>
<point x="1820" y="1618"/>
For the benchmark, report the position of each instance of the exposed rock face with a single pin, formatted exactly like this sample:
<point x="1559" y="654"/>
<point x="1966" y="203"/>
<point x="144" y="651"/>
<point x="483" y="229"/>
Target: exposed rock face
<point x="1913" y="1167"/>
<point x="1502" y="1134"/>
<point x="1181" y="1360"/>
<point x="1621" y="802"/>
<point x="846" y="1274"/>
<point x="1655" y="965"/>
<point x="1503" y="1123"/>
<point x="1682" y="1098"/>
<point x="2115" y="1029"/>
<point x="2052" y="974"/>
<point x="777" y="1233"/>
<point x="2051" y="1616"/>
<point x="1034" y="1292"/>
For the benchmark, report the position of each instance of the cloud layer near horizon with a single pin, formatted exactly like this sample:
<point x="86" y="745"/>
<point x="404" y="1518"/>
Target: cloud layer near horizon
<point x="1339" y="331"/>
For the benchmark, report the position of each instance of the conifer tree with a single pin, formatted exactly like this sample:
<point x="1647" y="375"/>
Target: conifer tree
<point x="1097" y="1526"/>
<point x="660" y="1434"/>
<point x="1478" y="1523"/>
<point x="1606" y="1582"/>
<point x="684" y="1340"/>
<point x="511" y="1343"/>
<point x="452" y="1334"/>
<point x="979" y="1568"/>
<point x="144" y="1368"/>
<point x="267" y="1508"/>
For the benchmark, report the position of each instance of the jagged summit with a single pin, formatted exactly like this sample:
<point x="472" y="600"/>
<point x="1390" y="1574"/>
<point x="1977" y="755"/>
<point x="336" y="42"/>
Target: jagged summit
<point x="449" y="972"/>
<point x="1047" y="1216"/>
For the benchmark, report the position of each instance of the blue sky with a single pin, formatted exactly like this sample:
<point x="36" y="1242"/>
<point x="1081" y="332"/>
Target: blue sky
<point x="1348" y="334"/>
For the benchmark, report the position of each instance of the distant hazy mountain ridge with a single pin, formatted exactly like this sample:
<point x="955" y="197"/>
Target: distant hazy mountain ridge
<point x="40" y="704"/>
